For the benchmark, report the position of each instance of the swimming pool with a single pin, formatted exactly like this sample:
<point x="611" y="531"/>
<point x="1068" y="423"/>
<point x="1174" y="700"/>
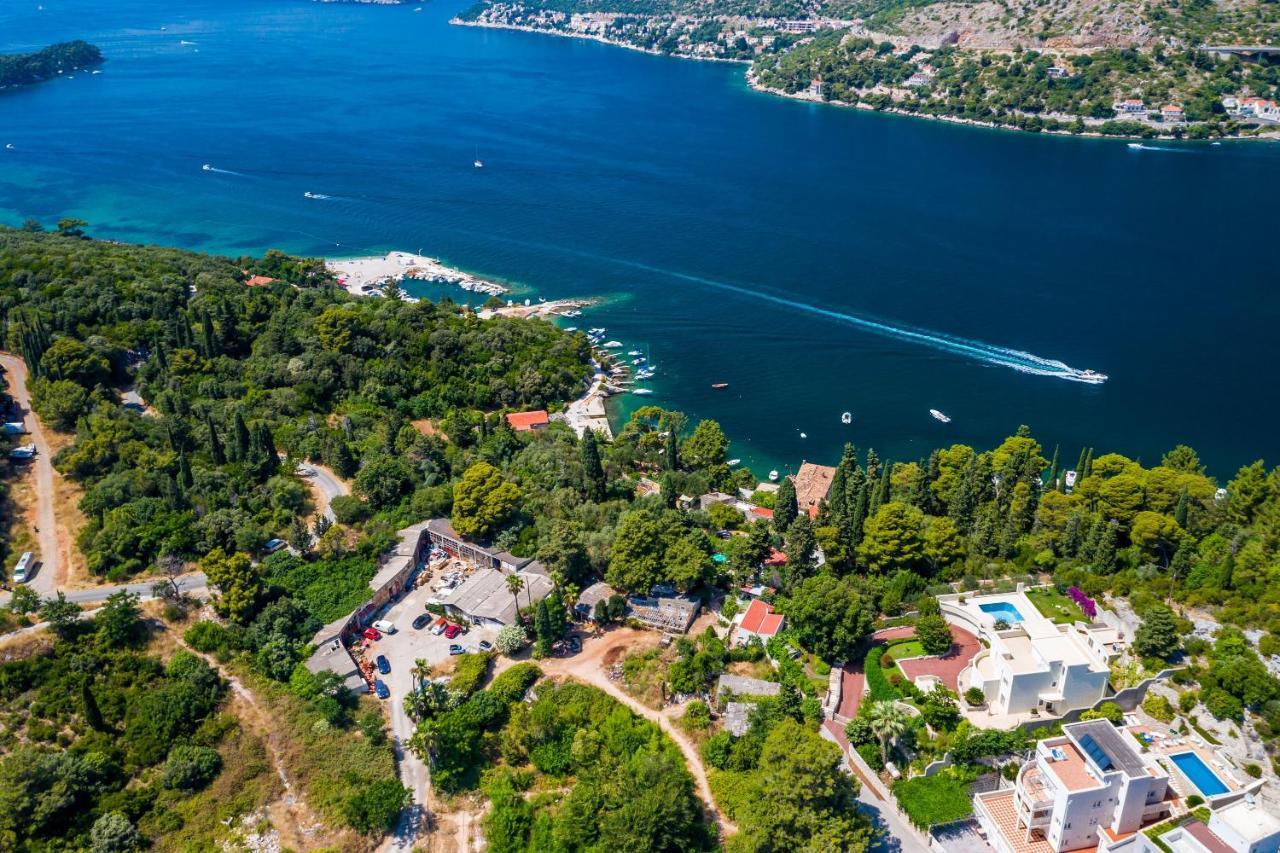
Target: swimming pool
<point x="1200" y="774"/>
<point x="1002" y="610"/>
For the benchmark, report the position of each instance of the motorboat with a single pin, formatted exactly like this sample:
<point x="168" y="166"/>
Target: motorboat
<point x="846" y="418"/>
<point x="733" y="462"/>
<point x="773" y="476"/>
<point x="1092" y="376"/>
<point x="634" y="352"/>
<point x="940" y="416"/>
<point x="719" y="385"/>
<point x="642" y="391"/>
<point x="614" y="345"/>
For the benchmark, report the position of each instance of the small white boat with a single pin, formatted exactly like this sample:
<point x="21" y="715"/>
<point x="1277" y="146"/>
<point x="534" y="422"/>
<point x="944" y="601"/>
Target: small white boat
<point x="634" y="352"/>
<point x="207" y="167"/>
<point x="478" y="164"/>
<point x="639" y="360"/>
<point x="803" y="435"/>
<point x="8" y="146"/>
<point x="614" y="345"/>
<point x="642" y="391"/>
<point x="846" y="418"/>
<point x="773" y="476"/>
<point x="733" y="461"/>
<point x="572" y="329"/>
<point x="1092" y="376"/>
<point x="940" y="416"/>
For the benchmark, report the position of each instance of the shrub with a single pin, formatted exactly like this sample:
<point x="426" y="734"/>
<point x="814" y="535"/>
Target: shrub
<point x="934" y="635"/>
<point x="190" y="768"/>
<point x="375" y="807"/>
<point x="469" y="673"/>
<point x="877" y="684"/>
<point x="209" y="637"/>
<point x="858" y="731"/>
<point x="871" y="754"/>
<point x="940" y="798"/>
<point x="511" y="685"/>
<point x="697" y="716"/>
<point x="1109" y="711"/>
<point x="974" y="696"/>
<point x="886" y="660"/>
<point x="1194" y="800"/>
<point x="1253" y="770"/>
<point x="1188" y="700"/>
<point x="510" y="639"/>
<point x="1159" y="708"/>
<point x="349" y="509"/>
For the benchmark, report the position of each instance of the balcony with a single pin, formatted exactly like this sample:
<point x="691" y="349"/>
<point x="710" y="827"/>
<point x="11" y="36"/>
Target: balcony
<point x="1035" y="793"/>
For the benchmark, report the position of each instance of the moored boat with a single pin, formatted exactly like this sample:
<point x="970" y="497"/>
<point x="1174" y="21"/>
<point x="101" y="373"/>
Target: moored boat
<point x="940" y="416"/>
<point x="719" y="385"/>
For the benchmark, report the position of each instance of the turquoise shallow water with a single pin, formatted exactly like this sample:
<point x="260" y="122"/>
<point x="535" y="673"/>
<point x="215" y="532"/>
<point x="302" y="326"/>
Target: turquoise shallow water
<point x="818" y="260"/>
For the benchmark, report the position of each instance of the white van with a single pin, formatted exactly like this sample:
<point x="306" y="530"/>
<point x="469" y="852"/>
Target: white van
<point x="23" y="567"/>
<point x="385" y="627"/>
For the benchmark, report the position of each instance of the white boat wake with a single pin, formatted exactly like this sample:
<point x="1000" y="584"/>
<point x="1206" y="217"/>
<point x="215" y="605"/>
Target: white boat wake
<point x="208" y="168"/>
<point x="1138" y="146"/>
<point x="1023" y="362"/>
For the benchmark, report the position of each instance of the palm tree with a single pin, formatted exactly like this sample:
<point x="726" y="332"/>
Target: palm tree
<point x="424" y="741"/>
<point x="888" y="722"/>
<point x="421" y="672"/>
<point x="514" y="584"/>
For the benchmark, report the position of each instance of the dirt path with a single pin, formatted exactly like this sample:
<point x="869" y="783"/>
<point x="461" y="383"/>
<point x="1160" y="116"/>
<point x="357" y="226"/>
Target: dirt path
<point x="54" y="543"/>
<point x="590" y="666"/>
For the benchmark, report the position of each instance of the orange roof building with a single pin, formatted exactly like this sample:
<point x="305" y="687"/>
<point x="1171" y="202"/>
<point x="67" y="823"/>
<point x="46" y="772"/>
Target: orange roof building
<point x="259" y="281"/>
<point x="526" y="421"/>
<point x="812" y="484"/>
<point x="759" y="620"/>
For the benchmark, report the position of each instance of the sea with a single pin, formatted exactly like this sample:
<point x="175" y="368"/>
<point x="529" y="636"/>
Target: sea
<point x="819" y="260"/>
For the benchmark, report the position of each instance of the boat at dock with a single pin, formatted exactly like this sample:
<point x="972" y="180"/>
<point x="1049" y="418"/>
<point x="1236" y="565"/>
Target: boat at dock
<point x="614" y="345"/>
<point x="940" y="416"/>
<point x="642" y="391"/>
<point x="773" y="476"/>
<point x="634" y="352"/>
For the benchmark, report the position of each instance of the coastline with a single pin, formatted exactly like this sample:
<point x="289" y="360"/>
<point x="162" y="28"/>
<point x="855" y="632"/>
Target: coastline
<point x="489" y="25"/>
<point x="361" y="276"/>
<point x="754" y="84"/>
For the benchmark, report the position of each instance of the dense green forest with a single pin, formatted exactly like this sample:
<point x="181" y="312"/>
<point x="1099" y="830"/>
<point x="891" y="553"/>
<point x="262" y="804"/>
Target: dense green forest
<point x="21" y="69"/>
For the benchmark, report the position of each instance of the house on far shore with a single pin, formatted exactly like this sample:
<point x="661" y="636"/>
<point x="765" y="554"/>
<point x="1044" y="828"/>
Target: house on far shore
<point x="1172" y="114"/>
<point x="259" y="281"/>
<point x="1129" y="106"/>
<point x="528" y="421"/>
<point x="1057" y="71"/>
<point x="759" y="620"/>
<point x="812" y="483"/>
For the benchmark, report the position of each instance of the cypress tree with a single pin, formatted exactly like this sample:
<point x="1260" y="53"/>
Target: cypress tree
<point x="240" y="437"/>
<point x="1080" y="463"/>
<point x="92" y="713"/>
<point x="886" y="483"/>
<point x="672" y="450"/>
<point x="784" y="505"/>
<point x="1053" y="469"/>
<point x="1180" y="513"/>
<point x="1073" y="537"/>
<point x="858" y="502"/>
<point x="920" y="488"/>
<point x="594" y="471"/>
<point x="1104" y="558"/>
<point x="206" y="335"/>
<point x="838" y="495"/>
<point x="184" y="473"/>
<point x="215" y="445"/>
<point x="964" y="502"/>
<point x="1088" y="464"/>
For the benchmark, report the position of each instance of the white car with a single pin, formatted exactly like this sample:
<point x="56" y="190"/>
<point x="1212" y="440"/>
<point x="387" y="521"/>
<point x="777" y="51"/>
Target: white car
<point x="385" y="627"/>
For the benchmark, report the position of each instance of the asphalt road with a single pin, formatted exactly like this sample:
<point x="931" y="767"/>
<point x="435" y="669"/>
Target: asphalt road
<point x="45" y="580"/>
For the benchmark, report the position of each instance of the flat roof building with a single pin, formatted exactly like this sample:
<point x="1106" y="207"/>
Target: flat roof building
<point x="1031" y="663"/>
<point x="484" y="599"/>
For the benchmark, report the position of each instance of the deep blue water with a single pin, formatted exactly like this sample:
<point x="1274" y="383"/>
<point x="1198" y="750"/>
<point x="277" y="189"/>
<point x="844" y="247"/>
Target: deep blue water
<point x="738" y="237"/>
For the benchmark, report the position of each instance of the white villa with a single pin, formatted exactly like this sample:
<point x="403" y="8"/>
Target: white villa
<point x="1030" y="663"/>
<point x="1244" y="826"/>
<point x="1090" y="789"/>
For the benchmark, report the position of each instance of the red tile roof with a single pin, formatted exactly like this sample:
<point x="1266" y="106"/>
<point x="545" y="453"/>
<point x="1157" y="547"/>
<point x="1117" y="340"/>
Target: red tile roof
<point x="259" y="280"/>
<point x="524" y="421"/>
<point x="760" y="619"/>
<point x="775" y="558"/>
<point x="762" y="512"/>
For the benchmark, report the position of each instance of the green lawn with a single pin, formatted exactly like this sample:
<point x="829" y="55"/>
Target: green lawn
<point x="1054" y="605"/>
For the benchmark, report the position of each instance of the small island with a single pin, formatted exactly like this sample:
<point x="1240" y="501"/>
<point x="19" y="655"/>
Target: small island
<point x="25" y="69"/>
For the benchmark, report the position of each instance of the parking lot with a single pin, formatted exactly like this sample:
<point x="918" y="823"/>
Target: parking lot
<point x="408" y="645"/>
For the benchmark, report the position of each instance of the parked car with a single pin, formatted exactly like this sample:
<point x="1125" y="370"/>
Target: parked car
<point x="485" y="646"/>
<point x="575" y="643"/>
<point x="274" y="545"/>
<point x="452" y="631"/>
<point x="23" y="567"/>
<point x="456" y="649"/>
<point x="381" y="689"/>
<point x="371" y="634"/>
<point x="422" y="621"/>
<point x="385" y="627"/>
<point x="440" y="627"/>
<point x="384" y="665"/>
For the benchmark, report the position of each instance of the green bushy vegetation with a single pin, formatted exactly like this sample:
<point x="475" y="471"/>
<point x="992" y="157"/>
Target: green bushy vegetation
<point x="22" y="69"/>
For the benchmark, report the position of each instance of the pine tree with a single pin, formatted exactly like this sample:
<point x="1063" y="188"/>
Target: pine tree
<point x="593" y="470"/>
<point x="215" y="445"/>
<point x="784" y="505"/>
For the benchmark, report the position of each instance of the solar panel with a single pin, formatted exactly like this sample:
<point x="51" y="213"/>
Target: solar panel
<point x="1100" y="758"/>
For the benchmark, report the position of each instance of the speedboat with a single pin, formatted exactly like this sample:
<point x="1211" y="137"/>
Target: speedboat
<point x="642" y="391"/>
<point x="207" y="167"/>
<point x="634" y="352"/>
<point x="940" y="416"/>
<point x="719" y="385"/>
<point x="773" y="476"/>
<point x="614" y="345"/>
<point x="804" y="435"/>
<point x="733" y="462"/>
<point x="478" y="164"/>
<point x="846" y="418"/>
<point x="1092" y="376"/>
<point x="639" y="360"/>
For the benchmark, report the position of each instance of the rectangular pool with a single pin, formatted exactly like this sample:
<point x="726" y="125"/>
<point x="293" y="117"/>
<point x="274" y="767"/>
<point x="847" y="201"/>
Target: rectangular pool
<point x="1002" y="610"/>
<point x="1200" y="774"/>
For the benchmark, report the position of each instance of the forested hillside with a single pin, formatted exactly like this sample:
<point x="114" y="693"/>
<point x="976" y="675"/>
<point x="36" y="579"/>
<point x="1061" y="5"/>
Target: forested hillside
<point x="21" y="69"/>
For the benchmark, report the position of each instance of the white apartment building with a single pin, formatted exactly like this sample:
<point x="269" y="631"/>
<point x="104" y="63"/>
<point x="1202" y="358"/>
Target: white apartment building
<point x="1031" y="663"/>
<point x="1244" y="826"/>
<point x="1091" y="788"/>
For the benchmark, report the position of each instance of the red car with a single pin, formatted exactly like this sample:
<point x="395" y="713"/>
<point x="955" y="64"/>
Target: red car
<point x="452" y="631"/>
<point x="372" y="634"/>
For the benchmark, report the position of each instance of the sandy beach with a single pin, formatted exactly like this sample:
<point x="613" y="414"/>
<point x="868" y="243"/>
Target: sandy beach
<point x="360" y="276"/>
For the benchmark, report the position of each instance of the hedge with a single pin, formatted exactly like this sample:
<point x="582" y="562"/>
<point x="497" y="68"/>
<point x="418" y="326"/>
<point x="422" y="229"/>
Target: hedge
<point x="879" y="686"/>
